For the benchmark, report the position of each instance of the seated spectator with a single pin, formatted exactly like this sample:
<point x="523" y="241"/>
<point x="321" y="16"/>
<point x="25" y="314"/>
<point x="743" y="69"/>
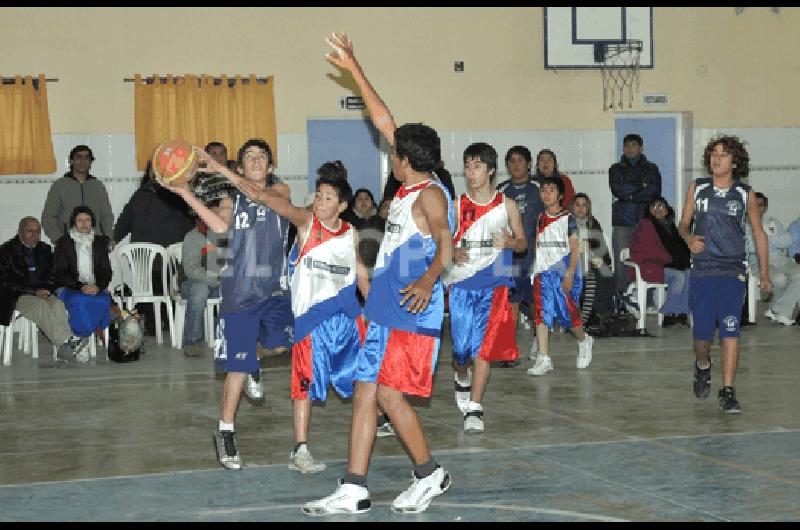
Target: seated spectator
<point x="547" y="166"/>
<point x="27" y="284"/>
<point x="598" y="283"/>
<point x="363" y="206"/>
<point x="82" y="275"/>
<point x="783" y="269"/>
<point x="663" y="257"/>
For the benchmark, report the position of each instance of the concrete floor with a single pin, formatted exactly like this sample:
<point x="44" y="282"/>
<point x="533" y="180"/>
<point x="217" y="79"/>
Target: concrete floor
<point x="623" y="440"/>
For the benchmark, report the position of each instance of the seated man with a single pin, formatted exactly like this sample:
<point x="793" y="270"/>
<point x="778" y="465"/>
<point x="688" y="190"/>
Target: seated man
<point x="783" y="270"/>
<point x="27" y="284"/>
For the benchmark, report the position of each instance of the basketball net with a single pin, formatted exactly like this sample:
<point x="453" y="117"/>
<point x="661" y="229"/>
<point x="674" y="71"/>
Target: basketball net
<point x="620" y="69"/>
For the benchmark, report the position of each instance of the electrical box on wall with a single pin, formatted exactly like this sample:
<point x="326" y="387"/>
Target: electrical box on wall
<point x="352" y="103"/>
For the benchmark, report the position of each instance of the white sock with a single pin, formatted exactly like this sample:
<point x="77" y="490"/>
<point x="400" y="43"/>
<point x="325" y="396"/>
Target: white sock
<point x="225" y="426"/>
<point x="464" y="382"/>
<point x="473" y="406"/>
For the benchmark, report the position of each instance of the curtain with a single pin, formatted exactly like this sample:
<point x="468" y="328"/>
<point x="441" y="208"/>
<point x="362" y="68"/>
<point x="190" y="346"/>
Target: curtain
<point x="26" y="145"/>
<point x="194" y="109"/>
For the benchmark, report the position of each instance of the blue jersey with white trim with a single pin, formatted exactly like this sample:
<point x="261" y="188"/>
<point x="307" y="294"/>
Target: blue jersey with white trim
<point x="719" y="216"/>
<point x="256" y="260"/>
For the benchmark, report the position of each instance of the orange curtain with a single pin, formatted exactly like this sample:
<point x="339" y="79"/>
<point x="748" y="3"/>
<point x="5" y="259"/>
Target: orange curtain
<point x="194" y="109"/>
<point x="26" y="145"/>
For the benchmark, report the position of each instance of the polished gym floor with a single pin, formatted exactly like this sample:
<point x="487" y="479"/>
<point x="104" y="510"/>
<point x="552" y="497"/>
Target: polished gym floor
<point x="623" y="440"/>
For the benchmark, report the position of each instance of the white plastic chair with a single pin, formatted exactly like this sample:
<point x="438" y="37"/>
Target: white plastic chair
<point x="212" y="304"/>
<point x="28" y="340"/>
<point x="642" y="287"/>
<point x="136" y="267"/>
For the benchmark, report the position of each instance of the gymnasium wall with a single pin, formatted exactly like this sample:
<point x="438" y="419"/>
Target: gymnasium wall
<point x="735" y="73"/>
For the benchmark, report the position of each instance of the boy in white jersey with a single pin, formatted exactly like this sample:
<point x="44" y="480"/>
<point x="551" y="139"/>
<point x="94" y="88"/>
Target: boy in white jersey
<point x="329" y="328"/>
<point x="481" y="315"/>
<point x="557" y="279"/>
<point x="405" y="308"/>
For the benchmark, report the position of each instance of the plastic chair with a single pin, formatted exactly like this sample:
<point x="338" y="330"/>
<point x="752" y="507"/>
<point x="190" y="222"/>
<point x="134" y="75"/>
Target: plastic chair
<point x="212" y="304"/>
<point x="642" y="287"/>
<point x="28" y="341"/>
<point x="753" y="294"/>
<point x="136" y="267"/>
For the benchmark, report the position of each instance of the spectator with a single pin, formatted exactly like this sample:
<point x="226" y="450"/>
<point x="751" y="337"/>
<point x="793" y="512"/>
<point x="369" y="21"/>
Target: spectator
<point x="363" y="206"/>
<point x="663" y="257"/>
<point x="634" y="182"/>
<point x="27" y="284"/>
<point x="547" y="166"/>
<point x="76" y="188"/>
<point x="153" y="215"/>
<point x="82" y="275"/>
<point x="596" y="262"/>
<point x="783" y="270"/>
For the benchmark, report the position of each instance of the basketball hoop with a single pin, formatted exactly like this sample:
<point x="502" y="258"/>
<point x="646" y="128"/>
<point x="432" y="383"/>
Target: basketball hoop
<point x="620" y="69"/>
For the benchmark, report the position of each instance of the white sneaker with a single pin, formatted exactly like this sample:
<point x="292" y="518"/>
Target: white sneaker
<point x="585" y="352"/>
<point x="534" y="351"/>
<point x="542" y="365"/>
<point x="303" y="462"/>
<point x="421" y="492"/>
<point x="463" y="390"/>
<point x="227" y="453"/>
<point x="385" y="430"/>
<point x="254" y="389"/>
<point x="348" y="498"/>
<point x="777" y="317"/>
<point x="473" y="418"/>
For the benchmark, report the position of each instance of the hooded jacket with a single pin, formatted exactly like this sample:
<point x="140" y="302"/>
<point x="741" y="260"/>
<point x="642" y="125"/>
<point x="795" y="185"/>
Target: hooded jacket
<point x="64" y="195"/>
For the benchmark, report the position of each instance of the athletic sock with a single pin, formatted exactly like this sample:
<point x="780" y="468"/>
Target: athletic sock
<point x="225" y="426"/>
<point x="352" y="478"/>
<point x="423" y="470"/>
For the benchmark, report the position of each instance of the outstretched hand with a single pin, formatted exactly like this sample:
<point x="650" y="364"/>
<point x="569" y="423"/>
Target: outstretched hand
<point x="342" y="56"/>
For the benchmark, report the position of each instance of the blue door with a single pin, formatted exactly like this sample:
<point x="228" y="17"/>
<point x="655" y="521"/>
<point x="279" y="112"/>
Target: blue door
<point x="354" y="142"/>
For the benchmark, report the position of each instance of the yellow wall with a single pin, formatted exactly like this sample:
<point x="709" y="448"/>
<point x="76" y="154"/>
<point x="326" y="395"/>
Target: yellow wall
<point x="730" y="70"/>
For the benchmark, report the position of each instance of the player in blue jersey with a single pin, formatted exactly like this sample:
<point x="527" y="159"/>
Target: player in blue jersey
<point x="557" y="279"/>
<point x="525" y="192"/>
<point x="481" y="317"/>
<point x="715" y="209"/>
<point x="405" y="308"/>
<point x="253" y="283"/>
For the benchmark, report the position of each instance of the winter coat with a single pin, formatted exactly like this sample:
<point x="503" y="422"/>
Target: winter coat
<point x="648" y="252"/>
<point x="66" y="263"/>
<point x="154" y="215"/>
<point x="633" y="187"/>
<point x="14" y="274"/>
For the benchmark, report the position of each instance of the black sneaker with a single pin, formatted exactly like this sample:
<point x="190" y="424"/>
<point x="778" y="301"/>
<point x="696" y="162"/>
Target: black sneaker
<point x="702" y="381"/>
<point x="227" y="453"/>
<point x="727" y="400"/>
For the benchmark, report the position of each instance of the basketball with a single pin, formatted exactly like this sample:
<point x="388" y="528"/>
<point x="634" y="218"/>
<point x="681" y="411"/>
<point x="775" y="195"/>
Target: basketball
<point x="174" y="162"/>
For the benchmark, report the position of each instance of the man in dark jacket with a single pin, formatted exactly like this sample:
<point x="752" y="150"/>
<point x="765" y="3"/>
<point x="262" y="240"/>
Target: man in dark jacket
<point x="27" y="285"/>
<point x="634" y="182"/>
<point x="76" y="188"/>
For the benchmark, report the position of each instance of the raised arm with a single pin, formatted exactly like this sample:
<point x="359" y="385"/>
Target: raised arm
<point x="343" y="57"/>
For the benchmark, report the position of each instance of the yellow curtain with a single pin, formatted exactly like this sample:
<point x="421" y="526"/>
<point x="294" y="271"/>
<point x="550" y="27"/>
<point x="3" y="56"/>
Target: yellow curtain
<point x="198" y="111"/>
<point x="26" y="145"/>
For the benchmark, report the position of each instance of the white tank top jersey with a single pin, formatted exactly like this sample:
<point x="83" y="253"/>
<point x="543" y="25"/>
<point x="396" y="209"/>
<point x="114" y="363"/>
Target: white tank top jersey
<point x="478" y="223"/>
<point x="552" y="242"/>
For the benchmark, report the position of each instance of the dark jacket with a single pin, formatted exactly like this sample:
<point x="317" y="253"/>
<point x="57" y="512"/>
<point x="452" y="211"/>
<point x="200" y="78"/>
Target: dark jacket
<point x="14" y="274"/>
<point x="154" y="215"/>
<point x="632" y="187"/>
<point x="66" y="263"/>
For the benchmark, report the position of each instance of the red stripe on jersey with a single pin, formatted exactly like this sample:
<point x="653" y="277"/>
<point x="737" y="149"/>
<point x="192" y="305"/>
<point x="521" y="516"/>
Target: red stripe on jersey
<point x="319" y="234"/>
<point x="403" y="191"/>
<point x="545" y="219"/>
<point x="499" y="340"/>
<point x="470" y="212"/>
